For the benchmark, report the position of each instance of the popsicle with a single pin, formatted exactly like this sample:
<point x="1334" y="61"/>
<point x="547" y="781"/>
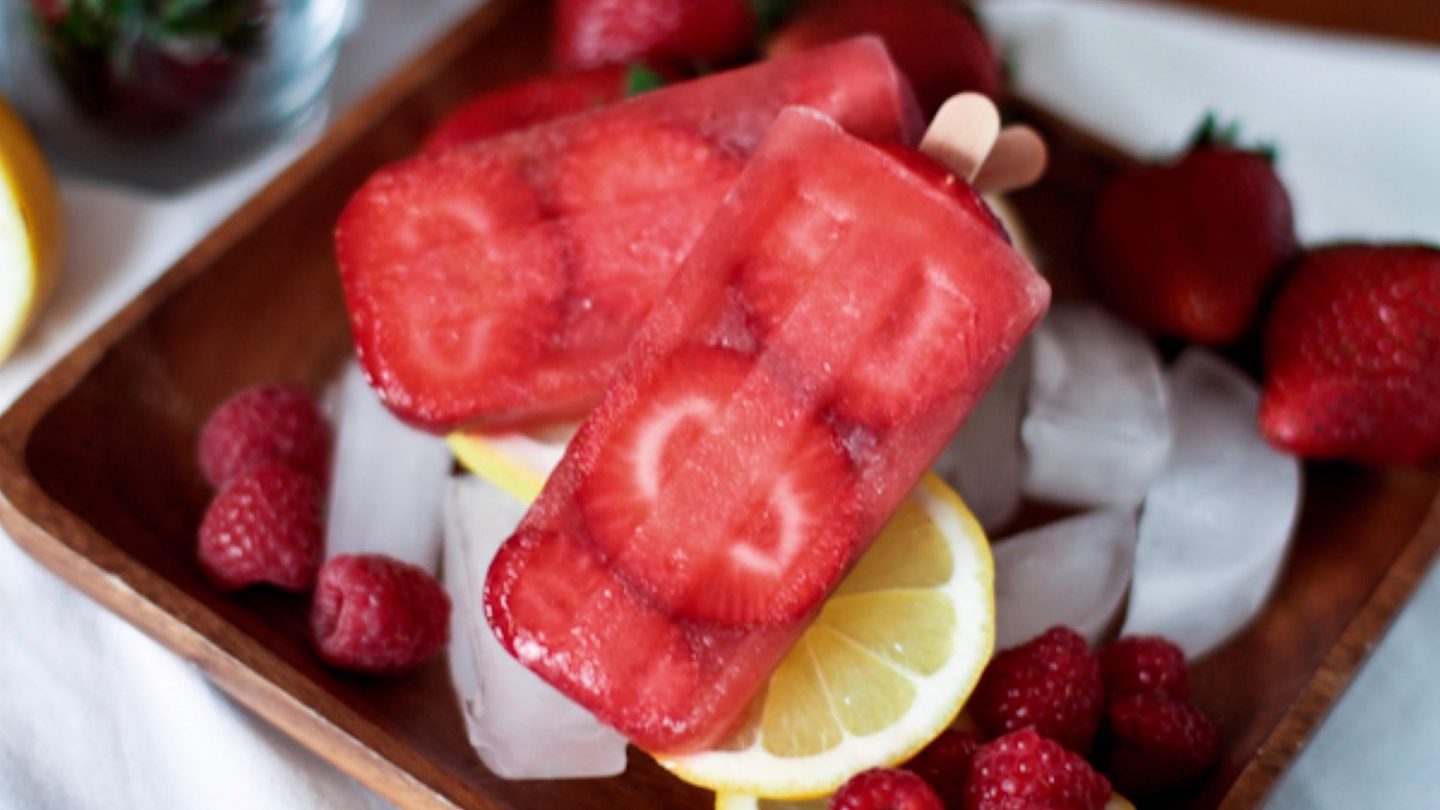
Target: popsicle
<point x="499" y="284"/>
<point x="826" y="335"/>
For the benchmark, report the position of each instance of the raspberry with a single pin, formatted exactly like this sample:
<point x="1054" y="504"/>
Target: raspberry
<point x="885" y="789"/>
<point x="267" y="423"/>
<point x="945" y="763"/>
<point x="1137" y="664"/>
<point x="1155" y="742"/>
<point x="376" y="614"/>
<point x="1023" y="769"/>
<point x="264" y="526"/>
<point x="1051" y="683"/>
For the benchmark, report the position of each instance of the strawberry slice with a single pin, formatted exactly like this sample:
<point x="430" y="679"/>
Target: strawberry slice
<point x="526" y="103"/>
<point x="501" y="304"/>
<point x="757" y="545"/>
<point x="630" y="158"/>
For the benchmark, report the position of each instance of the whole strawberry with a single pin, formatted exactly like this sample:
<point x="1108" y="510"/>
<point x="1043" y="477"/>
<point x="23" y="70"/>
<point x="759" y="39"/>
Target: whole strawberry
<point x="376" y="614"/>
<point x="945" y="763"/>
<point x="938" y="45"/>
<point x="1188" y="248"/>
<point x="1023" y="770"/>
<point x="1155" y="743"/>
<point x="885" y="789"/>
<point x="266" y="424"/>
<point x="590" y="33"/>
<point x="1051" y="683"/>
<point x="1139" y="664"/>
<point x="1352" y="356"/>
<point x="264" y="527"/>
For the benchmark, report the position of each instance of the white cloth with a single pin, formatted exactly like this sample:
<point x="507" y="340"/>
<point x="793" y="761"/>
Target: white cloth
<point x="95" y="715"/>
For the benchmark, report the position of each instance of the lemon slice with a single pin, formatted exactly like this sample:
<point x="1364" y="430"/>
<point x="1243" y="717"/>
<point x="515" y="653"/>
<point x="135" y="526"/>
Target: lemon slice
<point x="735" y="801"/>
<point x="29" y="230"/>
<point x="517" y="462"/>
<point x="885" y="667"/>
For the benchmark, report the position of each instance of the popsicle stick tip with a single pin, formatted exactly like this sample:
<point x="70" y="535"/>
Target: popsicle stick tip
<point x="1018" y="159"/>
<point x="962" y="133"/>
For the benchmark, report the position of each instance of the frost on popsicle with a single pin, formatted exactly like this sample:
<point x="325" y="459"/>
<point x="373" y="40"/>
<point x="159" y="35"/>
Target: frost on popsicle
<point x="1217" y="522"/>
<point x="984" y="460"/>
<point x="1097" y="431"/>
<point x="387" y="480"/>
<point x="519" y="725"/>
<point x="1072" y="571"/>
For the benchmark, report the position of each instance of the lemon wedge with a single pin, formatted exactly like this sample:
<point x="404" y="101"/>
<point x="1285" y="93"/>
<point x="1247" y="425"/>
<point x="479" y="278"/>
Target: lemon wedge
<point x="884" y="668"/>
<point x="517" y="462"/>
<point x="29" y="230"/>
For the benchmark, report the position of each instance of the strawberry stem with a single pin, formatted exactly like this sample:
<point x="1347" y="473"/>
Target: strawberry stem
<point x="641" y="79"/>
<point x="1211" y="133"/>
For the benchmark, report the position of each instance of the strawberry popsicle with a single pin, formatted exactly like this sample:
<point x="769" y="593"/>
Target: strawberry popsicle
<point x="499" y="284"/>
<point x="830" y="330"/>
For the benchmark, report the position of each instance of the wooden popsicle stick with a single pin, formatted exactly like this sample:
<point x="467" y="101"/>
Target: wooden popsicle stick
<point x="965" y="136"/>
<point x="1017" y="160"/>
<point x="962" y="133"/>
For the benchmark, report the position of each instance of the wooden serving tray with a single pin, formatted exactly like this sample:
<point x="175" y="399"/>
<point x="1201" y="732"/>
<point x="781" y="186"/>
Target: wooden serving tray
<point x="98" y="480"/>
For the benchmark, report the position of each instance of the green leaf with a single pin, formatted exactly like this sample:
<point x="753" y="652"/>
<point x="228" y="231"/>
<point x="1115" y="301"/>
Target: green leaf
<point x="641" y="79"/>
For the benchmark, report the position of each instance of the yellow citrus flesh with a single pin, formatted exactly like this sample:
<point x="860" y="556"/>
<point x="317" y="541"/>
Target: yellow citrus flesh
<point x="29" y="230"/>
<point x="517" y="462"/>
<point x="886" y="665"/>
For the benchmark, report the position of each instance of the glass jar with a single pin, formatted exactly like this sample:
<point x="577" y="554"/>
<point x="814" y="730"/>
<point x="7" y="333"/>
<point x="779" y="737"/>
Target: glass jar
<point x="165" y="92"/>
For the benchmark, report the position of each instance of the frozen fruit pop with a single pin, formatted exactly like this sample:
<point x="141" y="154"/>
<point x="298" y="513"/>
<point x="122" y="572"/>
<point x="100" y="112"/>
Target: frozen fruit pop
<point x="499" y="283"/>
<point x="827" y="334"/>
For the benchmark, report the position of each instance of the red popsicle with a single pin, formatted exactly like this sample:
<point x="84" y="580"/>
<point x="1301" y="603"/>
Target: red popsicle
<point x="499" y="284"/>
<point x="829" y="331"/>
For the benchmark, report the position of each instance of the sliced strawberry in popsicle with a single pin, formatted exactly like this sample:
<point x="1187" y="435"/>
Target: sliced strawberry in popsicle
<point x="691" y="551"/>
<point x="620" y="160"/>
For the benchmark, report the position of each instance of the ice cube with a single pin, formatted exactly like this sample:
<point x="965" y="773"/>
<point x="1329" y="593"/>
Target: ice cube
<point x="521" y="727"/>
<point x="1072" y="571"/>
<point x="1216" y="524"/>
<point x="1096" y="431"/>
<point x="983" y="462"/>
<point x="387" y="482"/>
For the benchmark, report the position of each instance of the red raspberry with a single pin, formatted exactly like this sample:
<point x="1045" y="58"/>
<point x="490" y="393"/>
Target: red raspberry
<point x="1156" y="742"/>
<point x="1137" y="664"/>
<point x="1023" y="769"/>
<point x="1051" y="683"/>
<point x="374" y="613"/>
<point x="267" y="423"/>
<point x="945" y="763"/>
<point x="885" y="789"/>
<point x="264" y="526"/>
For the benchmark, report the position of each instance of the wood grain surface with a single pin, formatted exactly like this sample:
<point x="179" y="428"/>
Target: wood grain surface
<point x="98" y="479"/>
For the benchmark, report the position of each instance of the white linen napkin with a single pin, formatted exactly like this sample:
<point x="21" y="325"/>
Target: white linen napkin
<point x="95" y="715"/>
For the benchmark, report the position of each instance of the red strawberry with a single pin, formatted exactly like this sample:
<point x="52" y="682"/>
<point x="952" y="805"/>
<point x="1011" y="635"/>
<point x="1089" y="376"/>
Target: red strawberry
<point x="944" y="764"/>
<point x="654" y="478"/>
<point x="526" y="103"/>
<point x="265" y="424"/>
<point x="1188" y="248"/>
<point x="1140" y="664"/>
<point x="263" y="527"/>
<point x="1156" y="743"/>
<point x="1023" y="769"/>
<point x="588" y="33"/>
<point x="938" y="45"/>
<point x="1051" y="683"/>
<point x="885" y="789"/>
<point x="376" y="614"/>
<point x="1352" y="356"/>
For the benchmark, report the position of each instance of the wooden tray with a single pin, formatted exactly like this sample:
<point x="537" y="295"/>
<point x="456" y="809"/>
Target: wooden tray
<point x="99" y="481"/>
